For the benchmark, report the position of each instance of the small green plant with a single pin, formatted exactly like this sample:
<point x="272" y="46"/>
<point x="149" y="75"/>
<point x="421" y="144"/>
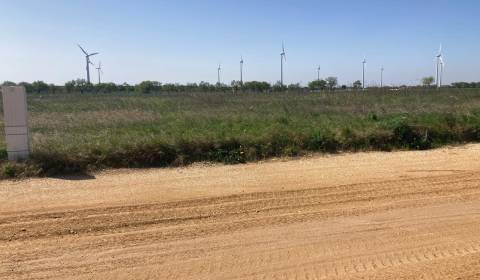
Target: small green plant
<point x="9" y="170"/>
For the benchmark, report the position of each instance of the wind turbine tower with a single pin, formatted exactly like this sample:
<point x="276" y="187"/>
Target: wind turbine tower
<point x="218" y="73"/>
<point x="100" y="72"/>
<point x="381" y="77"/>
<point x="440" y="65"/>
<point x="363" y="77"/>
<point x="283" y="57"/>
<point x="87" y="58"/>
<point x="241" y="70"/>
<point x="318" y="73"/>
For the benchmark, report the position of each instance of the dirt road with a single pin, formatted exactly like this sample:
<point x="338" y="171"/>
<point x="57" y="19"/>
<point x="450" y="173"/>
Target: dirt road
<point x="404" y="215"/>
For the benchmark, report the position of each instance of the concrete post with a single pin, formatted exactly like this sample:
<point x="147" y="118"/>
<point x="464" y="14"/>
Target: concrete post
<point x="15" y="120"/>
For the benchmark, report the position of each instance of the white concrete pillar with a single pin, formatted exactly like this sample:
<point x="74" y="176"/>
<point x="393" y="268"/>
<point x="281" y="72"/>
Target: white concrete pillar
<point x="15" y="120"/>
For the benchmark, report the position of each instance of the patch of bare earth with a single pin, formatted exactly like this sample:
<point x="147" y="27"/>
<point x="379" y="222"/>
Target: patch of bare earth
<point x="405" y="215"/>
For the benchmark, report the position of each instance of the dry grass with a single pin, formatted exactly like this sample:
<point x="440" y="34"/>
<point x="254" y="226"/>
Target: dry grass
<point x="78" y="132"/>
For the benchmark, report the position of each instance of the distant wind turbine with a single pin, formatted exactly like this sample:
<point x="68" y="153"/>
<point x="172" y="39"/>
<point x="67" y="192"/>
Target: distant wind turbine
<point x="283" y="57"/>
<point x="318" y="73"/>
<point x="218" y="72"/>
<point x="381" y="77"/>
<point x="241" y="70"/>
<point x="87" y="57"/>
<point x="100" y="72"/>
<point x="364" y="62"/>
<point x="440" y="65"/>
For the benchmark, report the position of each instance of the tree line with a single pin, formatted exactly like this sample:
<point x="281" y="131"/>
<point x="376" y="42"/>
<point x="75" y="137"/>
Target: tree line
<point x="466" y="85"/>
<point x="80" y="85"/>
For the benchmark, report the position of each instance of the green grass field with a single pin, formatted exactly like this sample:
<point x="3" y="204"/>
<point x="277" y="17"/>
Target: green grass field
<point x="83" y="132"/>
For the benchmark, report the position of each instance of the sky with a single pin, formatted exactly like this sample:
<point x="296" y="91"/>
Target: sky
<point x="184" y="41"/>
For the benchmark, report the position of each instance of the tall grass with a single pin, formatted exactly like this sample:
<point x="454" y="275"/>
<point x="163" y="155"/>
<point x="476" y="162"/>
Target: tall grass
<point x="81" y="132"/>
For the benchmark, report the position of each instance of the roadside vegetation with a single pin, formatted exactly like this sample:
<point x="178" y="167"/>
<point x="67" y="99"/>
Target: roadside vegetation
<point x="83" y="132"/>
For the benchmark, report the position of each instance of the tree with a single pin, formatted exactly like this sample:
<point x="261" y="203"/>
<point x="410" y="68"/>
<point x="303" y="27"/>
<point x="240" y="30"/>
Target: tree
<point x="148" y="86"/>
<point x="235" y="85"/>
<point x="294" y="87"/>
<point x="125" y="87"/>
<point x="317" y="85"/>
<point x="110" y="87"/>
<point x="221" y="87"/>
<point x="332" y="82"/>
<point x="191" y="87"/>
<point x="28" y="86"/>
<point x="8" y="83"/>
<point x="357" y="84"/>
<point x="169" y="87"/>
<point x="428" y="81"/>
<point x="278" y="86"/>
<point x="256" y="86"/>
<point x="52" y="88"/>
<point x="39" y="86"/>
<point x="70" y="86"/>
<point x="82" y="85"/>
<point x="206" y="86"/>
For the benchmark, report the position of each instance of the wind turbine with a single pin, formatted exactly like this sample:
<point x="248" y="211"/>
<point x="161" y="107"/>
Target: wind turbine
<point x="87" y="57"/>
<point x="100" y="72"/>
<point x="364" y="62"/>
<point x="241" y="70"/>
<point x="218" y="73"/>
<point x="318" y="73"/>
<point x="283" y="57"/>
<point x="381" y="77"/>
<point x="440" y="65"/>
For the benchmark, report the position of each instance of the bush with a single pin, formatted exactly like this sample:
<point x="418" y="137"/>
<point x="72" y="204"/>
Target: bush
<point x="148" y="87"/>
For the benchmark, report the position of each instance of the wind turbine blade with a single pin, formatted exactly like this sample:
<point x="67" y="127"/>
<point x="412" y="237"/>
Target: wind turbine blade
<point x="82" y="49"/>
<point x="92" y="54"/>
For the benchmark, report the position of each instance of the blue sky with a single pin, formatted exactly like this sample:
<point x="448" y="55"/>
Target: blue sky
<point x="183" y="41"/>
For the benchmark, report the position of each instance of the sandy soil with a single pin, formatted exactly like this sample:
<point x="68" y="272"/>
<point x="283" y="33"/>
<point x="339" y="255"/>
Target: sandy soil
<point x="404" y="215"/>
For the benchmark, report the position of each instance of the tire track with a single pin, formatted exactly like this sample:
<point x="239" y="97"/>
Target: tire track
<point x="390" y="229"/>
<point x="99" y="220"/>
